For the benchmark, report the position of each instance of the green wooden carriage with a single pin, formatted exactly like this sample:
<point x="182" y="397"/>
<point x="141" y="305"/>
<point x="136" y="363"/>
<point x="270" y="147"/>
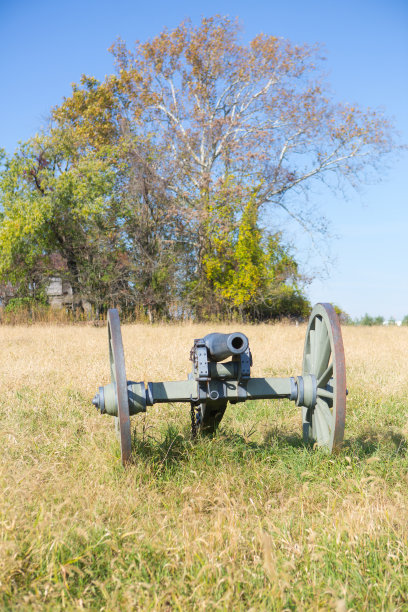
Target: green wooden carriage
<point x="320" y="391"/>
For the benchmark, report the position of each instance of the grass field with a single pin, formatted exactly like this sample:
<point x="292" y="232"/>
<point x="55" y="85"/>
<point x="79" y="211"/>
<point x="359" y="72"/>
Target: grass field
<point x="248" y="520"/>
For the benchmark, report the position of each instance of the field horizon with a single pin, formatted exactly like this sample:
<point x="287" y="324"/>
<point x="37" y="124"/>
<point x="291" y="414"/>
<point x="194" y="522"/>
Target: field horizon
<point x="248" y="520"/>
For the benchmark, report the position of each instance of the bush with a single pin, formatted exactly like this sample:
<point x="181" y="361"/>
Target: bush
<point x="17" y="305"/>
<point x="368" y="320"/>
<point x="344" y="317"/>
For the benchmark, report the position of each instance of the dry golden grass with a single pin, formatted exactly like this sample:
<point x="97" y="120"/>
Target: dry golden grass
<point x="248" y="520"/>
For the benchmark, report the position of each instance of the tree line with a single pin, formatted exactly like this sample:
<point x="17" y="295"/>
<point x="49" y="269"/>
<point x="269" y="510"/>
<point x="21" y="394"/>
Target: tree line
<point x="151" y="190"/>
<point x="370" y="321"/>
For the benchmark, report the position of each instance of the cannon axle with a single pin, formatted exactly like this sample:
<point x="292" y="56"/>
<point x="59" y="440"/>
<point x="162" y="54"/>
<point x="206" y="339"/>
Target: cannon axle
<point x="140" y="396"/>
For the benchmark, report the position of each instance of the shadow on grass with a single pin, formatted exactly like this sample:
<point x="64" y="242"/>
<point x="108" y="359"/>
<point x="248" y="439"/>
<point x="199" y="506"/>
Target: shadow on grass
<point x="172" y="448"/>
<point x="366" y="444"/>
<point x="371" y="441"/>
<point x="175" y="447"/>
<point x="279" y="437"/>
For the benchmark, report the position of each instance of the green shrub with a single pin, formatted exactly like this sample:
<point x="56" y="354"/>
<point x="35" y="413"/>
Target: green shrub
<point x="368" y="320"/>
<point x="18" y="304"/>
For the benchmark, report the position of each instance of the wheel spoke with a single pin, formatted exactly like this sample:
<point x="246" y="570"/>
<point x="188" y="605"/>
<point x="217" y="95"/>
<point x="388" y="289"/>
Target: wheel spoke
<point x="325" y="411"/>
<point x="112" y="361"/>
<point x="325" y="393"/>
<point x="322" y="428"/>
<point x="304" y="413"/>
<point x="316" y="342"/>
<point x="318" y="434"/>
<point x="312" y="349"/>
<point x="326" y="431"/>
<point x="326" y="376"/>
<point x="308" y="363"/>
<point x="323" y="350"/>
<point x="305" y="426"/>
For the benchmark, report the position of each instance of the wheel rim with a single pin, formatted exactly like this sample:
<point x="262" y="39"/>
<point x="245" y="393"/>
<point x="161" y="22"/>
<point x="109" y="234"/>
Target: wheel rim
<point x="118" y="376"/>
<point x="324" y="358"/>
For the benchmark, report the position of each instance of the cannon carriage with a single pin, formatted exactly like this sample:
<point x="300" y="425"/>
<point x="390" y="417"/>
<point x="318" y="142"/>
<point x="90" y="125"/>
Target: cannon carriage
<point x="320" y="391"/>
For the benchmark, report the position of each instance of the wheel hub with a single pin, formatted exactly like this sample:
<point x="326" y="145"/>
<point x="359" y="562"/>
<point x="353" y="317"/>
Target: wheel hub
<point x="307" y="391"/>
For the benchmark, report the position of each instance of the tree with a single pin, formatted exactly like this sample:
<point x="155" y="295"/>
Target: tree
<point x="55" y="201"/>
<point x="250" y="271"/>
<point x="369" y="320"/>
<point x="148" y="219"/>
<point x="215" y="108"/>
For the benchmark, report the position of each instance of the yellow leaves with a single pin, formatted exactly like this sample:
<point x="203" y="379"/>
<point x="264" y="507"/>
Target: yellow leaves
<point x="236" y="264"/>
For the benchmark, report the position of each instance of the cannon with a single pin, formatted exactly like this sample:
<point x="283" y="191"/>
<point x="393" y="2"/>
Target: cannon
<point x="320" y="391"/>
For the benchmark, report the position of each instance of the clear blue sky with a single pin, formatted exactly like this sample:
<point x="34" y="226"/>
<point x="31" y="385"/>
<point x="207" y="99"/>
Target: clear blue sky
<point x="45" y="45"/>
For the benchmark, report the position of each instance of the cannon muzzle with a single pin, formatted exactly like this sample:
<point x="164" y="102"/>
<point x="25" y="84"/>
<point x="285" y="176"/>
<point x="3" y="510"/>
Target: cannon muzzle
<point x="222" y="346"/>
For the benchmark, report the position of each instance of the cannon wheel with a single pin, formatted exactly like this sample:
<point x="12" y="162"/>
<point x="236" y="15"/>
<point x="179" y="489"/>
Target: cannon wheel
<point x="118" y="376"/>
<point x="324" y="358"/>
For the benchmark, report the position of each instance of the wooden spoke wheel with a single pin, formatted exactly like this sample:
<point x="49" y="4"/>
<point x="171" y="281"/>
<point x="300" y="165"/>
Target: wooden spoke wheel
<point x="324" y="358"/>
<point x="118" y="376"/>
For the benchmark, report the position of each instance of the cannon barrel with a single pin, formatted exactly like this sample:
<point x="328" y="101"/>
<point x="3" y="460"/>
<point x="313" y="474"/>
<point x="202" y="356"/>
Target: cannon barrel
<point x="221" y="346"/>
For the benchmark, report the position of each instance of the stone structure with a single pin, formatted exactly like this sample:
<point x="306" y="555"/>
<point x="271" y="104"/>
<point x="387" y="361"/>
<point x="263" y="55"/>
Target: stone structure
<point x="59" y="293"/>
